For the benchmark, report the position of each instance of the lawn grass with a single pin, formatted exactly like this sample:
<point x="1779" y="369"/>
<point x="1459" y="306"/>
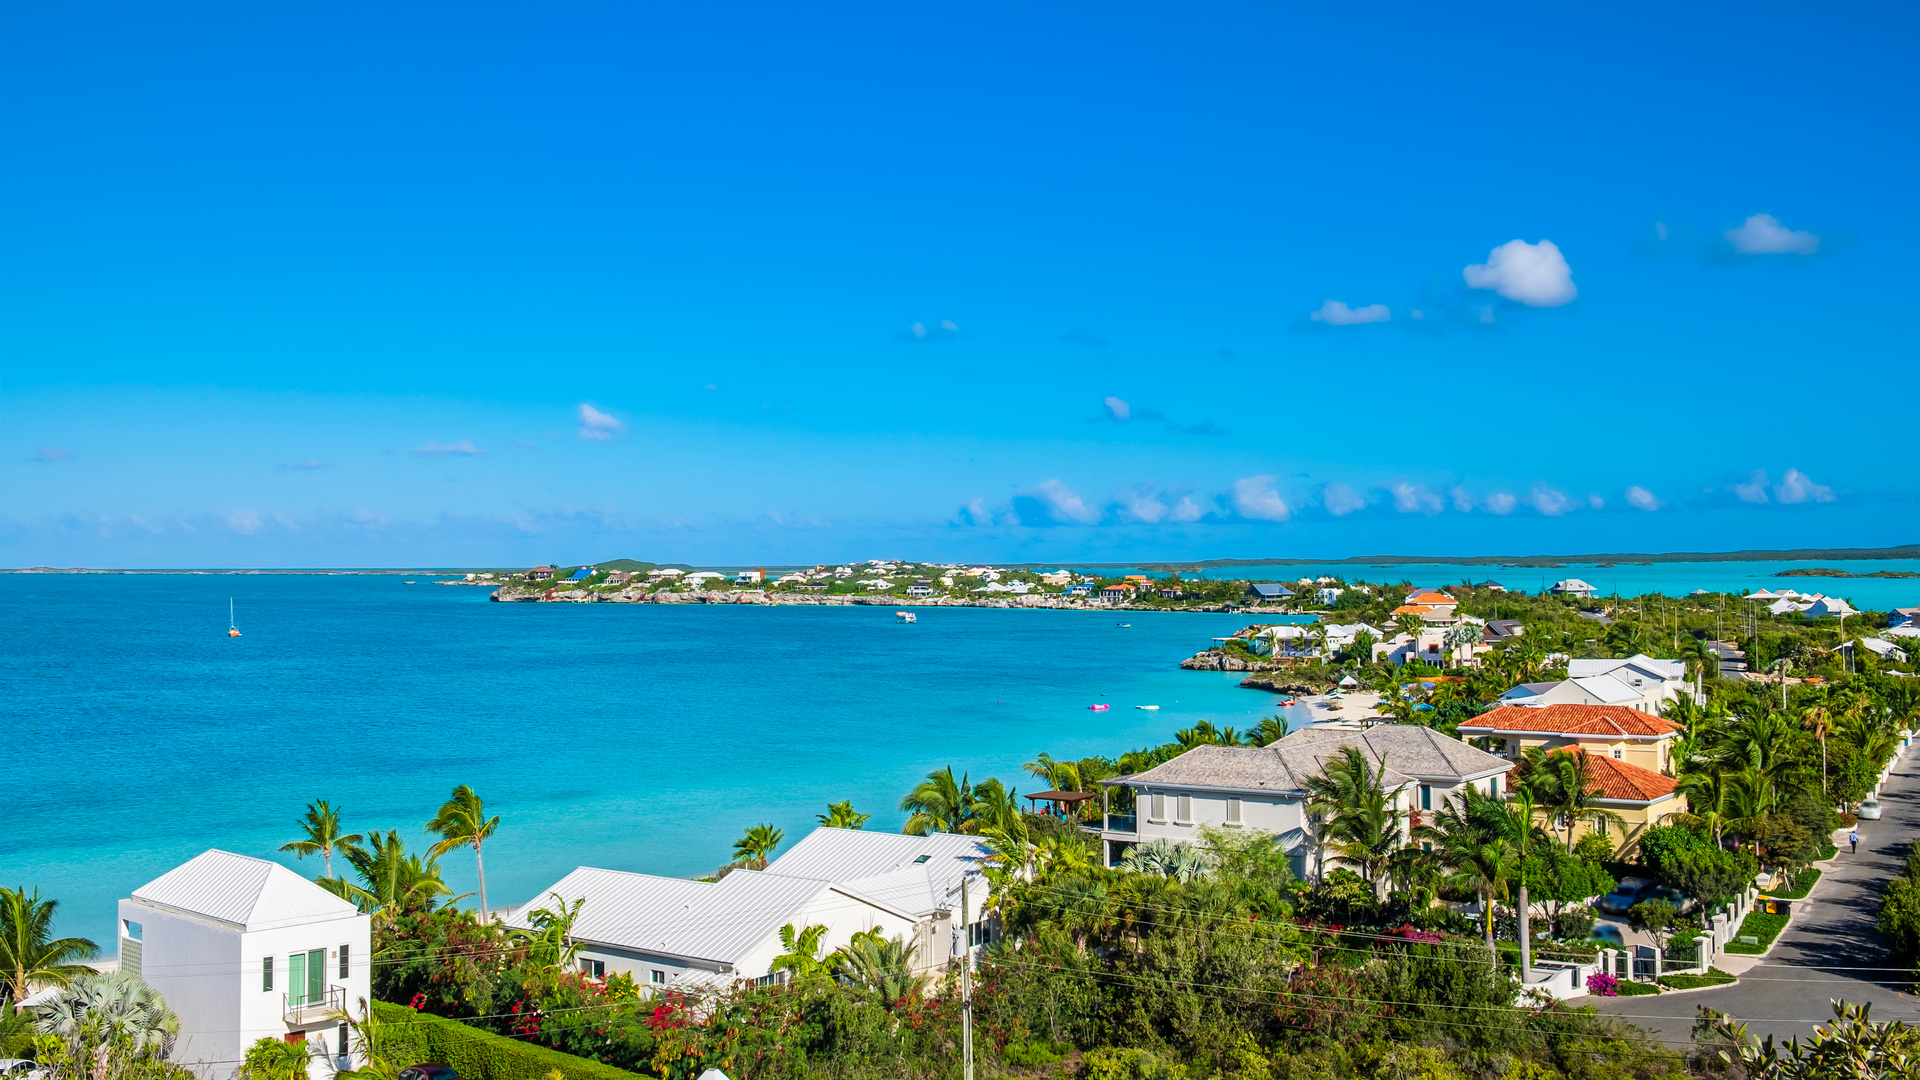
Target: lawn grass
<point x="1636" y="989"/>
<point x="1764" y="927"/>
<point x="1713" y="977"/>
<point x="1827" y="851"/>
<point x="1804" y="885"/>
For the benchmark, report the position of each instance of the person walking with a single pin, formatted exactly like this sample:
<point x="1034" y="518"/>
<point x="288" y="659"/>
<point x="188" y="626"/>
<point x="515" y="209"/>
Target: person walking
<point x="1853" y="837"/>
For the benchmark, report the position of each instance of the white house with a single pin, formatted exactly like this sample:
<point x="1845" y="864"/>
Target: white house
<point x="243" y="949"/>
<point x="1265" y="788"/>
<point x="1829" y="605"/>
<point x="1341" y="635"/>
<point x="1637" y="682"/>
<point x="1571" y="587"/>
<point x="672" y="933"/>
<point x="1326" y="596"/>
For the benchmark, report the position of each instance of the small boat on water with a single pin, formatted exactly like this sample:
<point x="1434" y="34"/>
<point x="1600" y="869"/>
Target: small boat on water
<point x="905" y="616"/>
<point x="1288" y="701"/>
<point x="1149" y="708"/>
<point x="1124" y="625"/>
<point x="233" y="628"/>
<point x="1100" y="708"/>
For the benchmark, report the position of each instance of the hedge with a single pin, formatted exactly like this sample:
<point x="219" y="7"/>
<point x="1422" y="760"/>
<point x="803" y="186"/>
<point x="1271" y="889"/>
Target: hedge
<point x="413" y="1037"/>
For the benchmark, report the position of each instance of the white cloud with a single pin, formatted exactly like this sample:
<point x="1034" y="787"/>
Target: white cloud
<point x="1596" y="502"/>
<point x="1065" y="504"/>
<point x="1335" y="313"/>
<point x="1341" y="500"/>
<point x="919" y="329"/>
<point x="1798" y="487"/>
<point x="598" y="426"/>
<point x="1146" y="508"/>
<point x="1255" y="498"/>
<point x="1754" y="490"/>
<point x="1186" y="509"/>
<point x="1548" y="501"/>
<point x="47" y="455"/>
<point x="1120" y="409"/>
<point x="1762" y="234"/>
<point x="463" y="448"/>
<point x="246" y="522"/>
<point x="1414" y="499"/>
<point x="1500" y="503"/>
<point x="975" y="512"/>
<point x="1642" y="498"/>
<point x="1533" y="274"/>
<point x="949" y="325"/>
<point x="1462" y="498"/>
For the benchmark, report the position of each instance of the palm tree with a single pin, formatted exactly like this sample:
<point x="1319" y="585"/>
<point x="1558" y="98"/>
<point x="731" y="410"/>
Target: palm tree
<point x="802" y="955"/>
<point x="29" y="953"/>
<point x="275" y="1059"/>
<point x="99" y="1013"/>
<point x="840" y="815"/>
<point x="551" y="940"/>
<point x="995" y="807"/>
<point x="1181" y="862"/>
<point x="1270" y="730"/>
<point x="322" y="826"/>
<point x="463" y="822"/>
<point x="391" y="881"/>
<point x="1360" y="818"/>
<point x="1474" y="852"/>
<point x="1561" y="783"/>
<point x="939" y="804"/>
<point x="1710" y="801"/>
<point x="754" y="848"/>
<point x="1818" y="718"/>
<point x="877" y="964"/>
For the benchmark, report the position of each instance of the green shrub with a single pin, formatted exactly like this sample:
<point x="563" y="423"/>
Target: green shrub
<point x="1802" y="885"/>
<point x="1713" y="977"/>
<point x="1128" y="1064"/>
<point x="1637" y="989"/>
<point x="411" y="1037"/>
<point x="1764" y="927"/>
<point x="1028" y="1055"/>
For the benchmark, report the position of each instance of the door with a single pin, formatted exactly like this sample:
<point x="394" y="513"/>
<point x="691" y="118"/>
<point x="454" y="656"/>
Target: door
<point x="307" y="978"/>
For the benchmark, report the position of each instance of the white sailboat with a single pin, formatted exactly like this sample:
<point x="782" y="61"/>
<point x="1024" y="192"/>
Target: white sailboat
<point x="233" y="628"/>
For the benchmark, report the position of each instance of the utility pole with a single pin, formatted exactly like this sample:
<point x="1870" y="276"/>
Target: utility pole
<point x="966" y="982"/>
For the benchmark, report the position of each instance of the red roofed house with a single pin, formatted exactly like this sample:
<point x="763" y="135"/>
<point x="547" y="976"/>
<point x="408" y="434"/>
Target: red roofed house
<point x="1628" y="752"/>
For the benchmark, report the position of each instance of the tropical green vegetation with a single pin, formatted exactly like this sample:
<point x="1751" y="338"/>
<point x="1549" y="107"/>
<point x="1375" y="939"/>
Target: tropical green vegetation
<point x="107" y="1027"/>
<point x="30" y="956"/>
<point x="1760" y="926"/>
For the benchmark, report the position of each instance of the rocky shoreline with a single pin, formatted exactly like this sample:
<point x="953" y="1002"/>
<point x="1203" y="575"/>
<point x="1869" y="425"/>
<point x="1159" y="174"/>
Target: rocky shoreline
<point x="511" y="594"/>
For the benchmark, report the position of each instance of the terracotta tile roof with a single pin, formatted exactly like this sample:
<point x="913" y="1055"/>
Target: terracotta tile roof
<point x="1431" y="598"/>
<point x="1619" y="780"/>
<point x="1601" y="720"/>
<point x="1411" y="609"/>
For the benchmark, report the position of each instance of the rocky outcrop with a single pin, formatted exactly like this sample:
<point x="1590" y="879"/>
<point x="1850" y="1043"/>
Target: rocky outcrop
<point x="1277" y="686"/>
<point x="521" y="593"/>
<point x="1215" y="660"/>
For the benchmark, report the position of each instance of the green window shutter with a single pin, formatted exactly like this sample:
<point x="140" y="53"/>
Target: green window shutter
<point x="316" y="976"/>
<point x="266" y="975"/>
<point x="297" y="978"/>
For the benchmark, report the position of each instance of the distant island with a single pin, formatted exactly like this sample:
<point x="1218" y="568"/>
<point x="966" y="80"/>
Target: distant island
<point x="1826" y="571"/>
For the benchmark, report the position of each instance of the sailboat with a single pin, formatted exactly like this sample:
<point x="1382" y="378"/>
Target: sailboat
<point x="233" y="628"/>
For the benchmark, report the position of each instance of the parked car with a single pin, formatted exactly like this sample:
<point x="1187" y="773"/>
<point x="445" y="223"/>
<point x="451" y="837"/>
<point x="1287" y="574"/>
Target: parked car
<point x="1869" y="809"/>
<point x="431" y="1070"/>
<point x="1680" y="901"/>
<point x="1608" y="933"/>
<point x="20" y="1069"/>
<point x="1624" y="895"/>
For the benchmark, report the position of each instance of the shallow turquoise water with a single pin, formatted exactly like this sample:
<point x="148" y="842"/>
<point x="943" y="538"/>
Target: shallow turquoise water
<point x="637" y="737"/>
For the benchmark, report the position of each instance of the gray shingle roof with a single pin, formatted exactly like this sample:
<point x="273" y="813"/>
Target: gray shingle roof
<point x="1408" y="750"/>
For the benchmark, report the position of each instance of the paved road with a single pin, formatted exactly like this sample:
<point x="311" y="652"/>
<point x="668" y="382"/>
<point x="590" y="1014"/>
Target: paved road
<point x="1830" y="950"/>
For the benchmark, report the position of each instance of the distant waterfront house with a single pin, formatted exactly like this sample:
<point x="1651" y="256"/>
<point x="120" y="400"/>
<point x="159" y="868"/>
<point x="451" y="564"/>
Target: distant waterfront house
<point x="1122" y="591"/>
<point x="1171" y="594"/>
<point x="1268" y="592"/>
<point x="582" y="574"/>
<point x="749" y="577"/>
<point x="1829" y="605"/>
<point x="671" y="933"/>
<point x="1572" y="587"/>
<point x="1638" y="682"/>
<point x="540" y="573"/>
<point x="1081" y="589"/>
<point x="1608" y="731"/>
<point x="1264" y="788"/>
<point x="1499" y="630"/>
<point x="243" y="949"/>
<point x="1439" y="603"/>
<point x="1492" y="586"/>
<point x="920" y="589"/>
<point x="1326" y="596"/>
<point x="1904" y="616"/>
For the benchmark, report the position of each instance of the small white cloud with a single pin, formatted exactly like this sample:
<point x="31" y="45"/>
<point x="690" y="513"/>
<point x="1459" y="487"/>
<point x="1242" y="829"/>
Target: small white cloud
<point x="1335" y="313"/>
<point x="1186" y="510"/>
<point x="1462" y="498"/>
<point x="1762" y="234"/>
<point x="1414" y="498"/>
<point x="1255" y="498"/>
<point x="949" y="325"/>
<point x="1501" y="503"/>
<point x="463" y="448"/>
<point x="246" y="522"/>
<point x="1660" y="229"/>
<point x="47" y="455"/>
<point x="1798" y="487"/>
<point x="1065" y="504"/>
<point x="1341" y="500"/>
<point x="1548" y="501"/>
<point x="1119" y="408"/>
<point x="1145" y="508"/>
<point x="918" y="329"/>
<point x="1536" y="275"/>
<point x="1754" y="490"/>
<point x="974" y="512"/>
<point x="1643" y="499"/>
<point x="1595" y="502"/>
<point x="598" y="426"/>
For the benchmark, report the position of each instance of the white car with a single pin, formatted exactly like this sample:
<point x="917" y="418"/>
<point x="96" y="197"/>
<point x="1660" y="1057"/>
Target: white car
<point x="18" y="1069"/>
<point x="1869" y="809"/>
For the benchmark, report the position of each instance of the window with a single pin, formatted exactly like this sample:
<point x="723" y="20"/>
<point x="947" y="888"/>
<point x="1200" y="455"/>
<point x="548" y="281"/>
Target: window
<point x="133" y="931"/>
<point x="1157" y="806"/>
<point x="340" y="1040"/>
<point x="307" y="977"/>
<point x="1600" y="826"/>
<point x="1185" y="806"/>
<point x="1618" y="753"/>
<point x="1426" y="796"/>
<point x="593" y="969"/>
<point x="657" y="977"/>
<point x="1493" y="786"/>
<point x="266" y="975"/>
<point x="977" y="934"/>
<point x="344" y="963"/>
<point x="923" y="858"/>
<point x="1233" y="810"/>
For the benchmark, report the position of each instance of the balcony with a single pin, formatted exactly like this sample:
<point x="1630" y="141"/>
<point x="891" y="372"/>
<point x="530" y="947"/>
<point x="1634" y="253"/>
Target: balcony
<point x="1123" y="824"/>
<point x="301" y="1010"/>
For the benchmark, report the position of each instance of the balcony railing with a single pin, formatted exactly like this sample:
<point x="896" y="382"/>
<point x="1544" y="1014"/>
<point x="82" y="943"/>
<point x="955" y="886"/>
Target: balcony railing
<point x="303" y="1010"/>
<point x="1123" y="823"/>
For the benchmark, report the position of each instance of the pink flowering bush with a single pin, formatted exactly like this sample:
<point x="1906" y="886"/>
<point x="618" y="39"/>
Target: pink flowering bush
<point x="1601" y="984"/>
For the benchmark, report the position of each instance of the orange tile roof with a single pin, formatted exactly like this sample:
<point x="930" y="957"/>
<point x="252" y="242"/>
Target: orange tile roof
<point x="1431" y="598"/>
<point x="1601" y="720"/>
<point x="1619" y="780"/>
<point x="1411" y="609"/>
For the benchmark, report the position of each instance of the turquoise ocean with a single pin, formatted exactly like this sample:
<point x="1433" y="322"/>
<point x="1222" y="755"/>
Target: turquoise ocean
<point x="636" y="737"/>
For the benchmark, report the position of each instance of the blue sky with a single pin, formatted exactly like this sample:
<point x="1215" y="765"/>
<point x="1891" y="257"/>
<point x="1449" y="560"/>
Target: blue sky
<point x="464" y="284"/>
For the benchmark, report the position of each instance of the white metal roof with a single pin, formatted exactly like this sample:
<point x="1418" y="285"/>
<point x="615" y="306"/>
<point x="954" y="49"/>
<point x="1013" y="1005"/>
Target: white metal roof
<point x="250" y="893"/>
<point x="858" y="861"/>
<point x="718" y="922"/>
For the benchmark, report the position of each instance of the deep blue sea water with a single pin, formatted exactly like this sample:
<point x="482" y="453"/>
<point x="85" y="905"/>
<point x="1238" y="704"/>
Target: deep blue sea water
<point x="638" y="737"/>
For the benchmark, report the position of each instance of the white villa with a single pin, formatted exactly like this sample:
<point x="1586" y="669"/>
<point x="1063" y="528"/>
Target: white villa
<point x="1265" y="788"/>
<point x="672" y="933"/>
<point x="1637" y="682"/>
<point x="1572" y="586"/>
<point x="243" y="949"/>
